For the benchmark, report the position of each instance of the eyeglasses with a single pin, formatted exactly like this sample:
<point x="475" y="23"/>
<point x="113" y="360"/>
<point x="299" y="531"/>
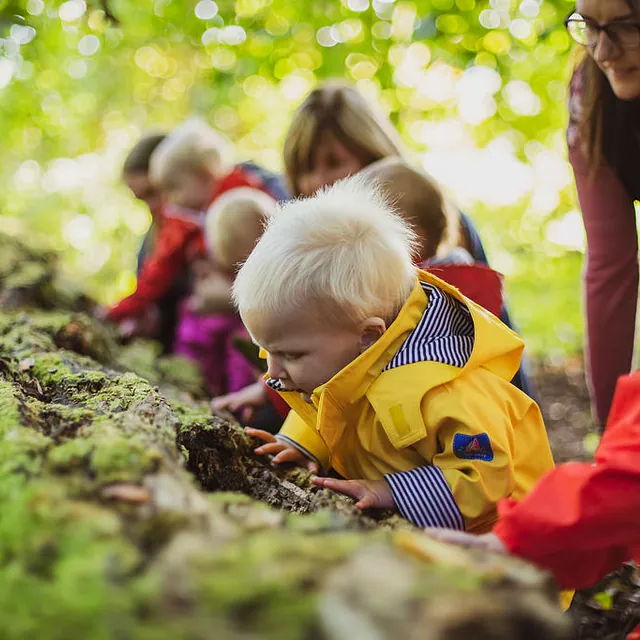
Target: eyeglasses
<point x="586" y="32"/>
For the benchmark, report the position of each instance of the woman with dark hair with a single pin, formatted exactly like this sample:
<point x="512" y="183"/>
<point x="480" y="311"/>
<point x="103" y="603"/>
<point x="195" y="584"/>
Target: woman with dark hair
<point x="604" y="150"/>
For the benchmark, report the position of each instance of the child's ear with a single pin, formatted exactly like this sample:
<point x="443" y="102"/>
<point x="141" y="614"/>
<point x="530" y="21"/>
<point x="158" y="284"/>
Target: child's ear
<point x="372" y="329"/>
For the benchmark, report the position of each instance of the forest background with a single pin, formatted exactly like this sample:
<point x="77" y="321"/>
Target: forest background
<point x="477" y="89"/>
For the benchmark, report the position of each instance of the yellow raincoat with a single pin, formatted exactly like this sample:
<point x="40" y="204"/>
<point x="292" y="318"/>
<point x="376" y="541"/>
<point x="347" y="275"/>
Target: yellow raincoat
<point x="485" y="436"/>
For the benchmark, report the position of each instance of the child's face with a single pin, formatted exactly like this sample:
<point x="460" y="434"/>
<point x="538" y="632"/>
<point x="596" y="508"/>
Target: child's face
<point x="190" y="189"/>
<point x="305" y="350"/>
<point x="143" y="189"/>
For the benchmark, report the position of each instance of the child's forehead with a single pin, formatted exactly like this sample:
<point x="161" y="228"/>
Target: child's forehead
<point x="296" y="323"/>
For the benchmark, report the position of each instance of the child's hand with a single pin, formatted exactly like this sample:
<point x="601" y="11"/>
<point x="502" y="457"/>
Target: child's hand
<point x="246" y="400"/>
<point x="101" y="313"/>
<point x="374" y="494"/>
<point x="212" y="293"/>
<point x="128" y="328"/>
<point x="487" y="541"/>
<point x="281" y="451"/>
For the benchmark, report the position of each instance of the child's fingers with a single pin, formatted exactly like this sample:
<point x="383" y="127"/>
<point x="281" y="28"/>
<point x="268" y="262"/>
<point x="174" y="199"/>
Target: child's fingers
<point x="265" y="436"/>
<point x="220" y="403"/>
<point x="347" y="487"/>
<point x="288" y="455"/>
<point x="368" y="501"/>
<point x="272" y="448"/>
<point x="312" y="466"/>
<point x="247" y="414"/>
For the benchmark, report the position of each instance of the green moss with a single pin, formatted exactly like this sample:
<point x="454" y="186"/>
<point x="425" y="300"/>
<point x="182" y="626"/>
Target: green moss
<point x="9" y="408"/>
<point x="71" y="455"/>
<point x="181" y="373"/>
<point x="119" y="460"/>
<point x="28" y="274"/>
<point x="155" y="558"/>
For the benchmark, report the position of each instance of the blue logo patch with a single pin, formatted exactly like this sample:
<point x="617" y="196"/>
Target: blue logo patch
<point x="473" y="447"/>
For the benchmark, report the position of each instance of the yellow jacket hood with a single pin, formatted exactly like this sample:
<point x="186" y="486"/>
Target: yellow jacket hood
<point x="434" y="340"/>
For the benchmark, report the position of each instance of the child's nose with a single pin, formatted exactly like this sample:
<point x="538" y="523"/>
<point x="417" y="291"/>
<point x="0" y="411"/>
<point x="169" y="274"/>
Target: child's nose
<point x="274" y="368"/>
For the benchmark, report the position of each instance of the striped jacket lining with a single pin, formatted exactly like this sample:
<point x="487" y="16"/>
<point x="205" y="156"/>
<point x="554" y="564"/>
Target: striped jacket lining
<point x="444" y="334"/>
<point x="423" y="497"/>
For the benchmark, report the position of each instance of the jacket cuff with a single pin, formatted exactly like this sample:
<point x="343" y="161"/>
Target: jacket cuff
<point x="423" y="497"/>
<point x="300" y="448"/>
<point x="306" y="439"/>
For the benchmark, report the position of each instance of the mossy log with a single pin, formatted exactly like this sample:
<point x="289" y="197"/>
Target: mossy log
<point x="128" y="511"/>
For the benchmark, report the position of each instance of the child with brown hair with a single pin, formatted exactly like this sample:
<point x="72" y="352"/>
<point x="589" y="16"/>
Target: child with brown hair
<point x="441" y="251"/>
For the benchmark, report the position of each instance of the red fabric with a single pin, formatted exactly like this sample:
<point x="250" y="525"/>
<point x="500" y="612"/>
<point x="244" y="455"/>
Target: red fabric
<point x="582" y="520"/>
<point x="611" y="274"/>
<point x="635" y="634"/>
<point x="478" y="282"/>
<point x="278" y="403"/>
<point x="179" y="241"/>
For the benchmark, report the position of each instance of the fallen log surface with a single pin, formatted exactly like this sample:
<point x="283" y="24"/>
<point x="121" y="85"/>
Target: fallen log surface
<point x="128" y="510"/>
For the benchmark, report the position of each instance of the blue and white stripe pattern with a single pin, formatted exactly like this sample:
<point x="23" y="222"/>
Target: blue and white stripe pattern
<point x="275" y="384"/>
<point x="423" y="497"/>
<point x="444" y="334"/>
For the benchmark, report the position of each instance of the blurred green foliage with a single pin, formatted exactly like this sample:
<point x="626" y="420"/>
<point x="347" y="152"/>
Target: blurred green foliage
<point x="461" y="79"/>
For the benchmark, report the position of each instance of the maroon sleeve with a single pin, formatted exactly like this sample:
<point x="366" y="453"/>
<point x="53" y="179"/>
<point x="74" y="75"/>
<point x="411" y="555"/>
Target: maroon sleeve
<point x="581" y="521"/>
<point x="611" y="275"/>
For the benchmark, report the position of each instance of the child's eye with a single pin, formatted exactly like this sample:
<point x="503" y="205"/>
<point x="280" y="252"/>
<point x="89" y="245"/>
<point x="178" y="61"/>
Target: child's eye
<point x="292" y="356"/>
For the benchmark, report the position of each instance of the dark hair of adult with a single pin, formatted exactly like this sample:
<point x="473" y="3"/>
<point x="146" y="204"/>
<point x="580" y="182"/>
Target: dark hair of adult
<point x="137" y="160"/>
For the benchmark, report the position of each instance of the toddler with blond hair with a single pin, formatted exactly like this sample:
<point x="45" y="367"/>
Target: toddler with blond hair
<point x="396" y="381"/>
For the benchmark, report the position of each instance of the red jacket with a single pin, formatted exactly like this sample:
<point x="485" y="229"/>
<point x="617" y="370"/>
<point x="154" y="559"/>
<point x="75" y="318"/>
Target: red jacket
<point x="179" y="241"/>
<point x="476" y="281"/>
<point x="582" y="520"/>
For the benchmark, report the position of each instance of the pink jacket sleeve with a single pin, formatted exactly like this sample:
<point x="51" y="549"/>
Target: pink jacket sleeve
<point x="611" y="275"/>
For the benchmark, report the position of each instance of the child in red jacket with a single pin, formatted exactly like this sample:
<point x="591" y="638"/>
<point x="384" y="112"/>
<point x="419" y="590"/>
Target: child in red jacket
<point x="192" y="167"/>
<point x="582" y="520"/>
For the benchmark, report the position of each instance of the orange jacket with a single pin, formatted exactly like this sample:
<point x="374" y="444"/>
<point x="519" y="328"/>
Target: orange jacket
<point x="582" y="520"/>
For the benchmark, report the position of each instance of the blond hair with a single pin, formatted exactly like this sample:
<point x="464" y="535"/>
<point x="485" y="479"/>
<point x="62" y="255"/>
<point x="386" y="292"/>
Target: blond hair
<point x="235" y="222"/>
<point x="420" y="201"/>
<point x="337" y="107"/>
<point x="192" y="147"/>
<point x="344" y="250"/>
